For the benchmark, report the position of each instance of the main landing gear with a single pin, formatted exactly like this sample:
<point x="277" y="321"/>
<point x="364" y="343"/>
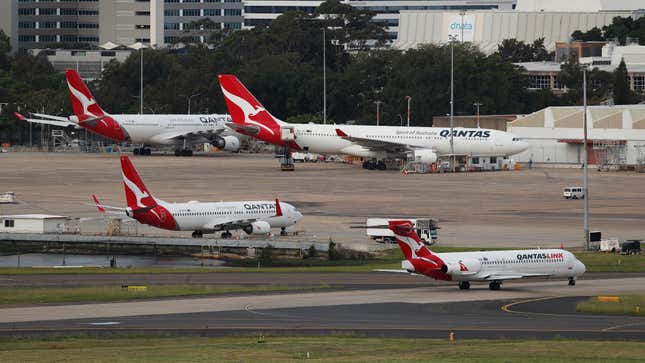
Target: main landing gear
<point x="495" y="285"/>
<point x="283" y="231"/>
<point x="142" y="151"/>
<point x="183" y="152"/>
<point x="227" y="235"/>
<point x="572" y="281"/>
<point x="198" y="234"/>
<point x="374" y="165"/>
<point x="464" y="285"/>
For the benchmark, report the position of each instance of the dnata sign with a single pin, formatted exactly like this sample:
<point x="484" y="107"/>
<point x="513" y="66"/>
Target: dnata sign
<point x="462" y="28"/>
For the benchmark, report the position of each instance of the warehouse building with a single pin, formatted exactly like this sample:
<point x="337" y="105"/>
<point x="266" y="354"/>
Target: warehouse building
<point x="616" y="135"/>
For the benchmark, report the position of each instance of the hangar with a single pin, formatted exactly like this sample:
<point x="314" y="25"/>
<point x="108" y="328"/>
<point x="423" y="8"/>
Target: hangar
<point x="616" y="135"/>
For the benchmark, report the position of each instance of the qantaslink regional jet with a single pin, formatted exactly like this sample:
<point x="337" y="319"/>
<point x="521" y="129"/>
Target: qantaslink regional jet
<point x="376" y="143"/>
<point x="486" y="266"/>
<point x="253" y="217"/>
<point x="182" y="131"/>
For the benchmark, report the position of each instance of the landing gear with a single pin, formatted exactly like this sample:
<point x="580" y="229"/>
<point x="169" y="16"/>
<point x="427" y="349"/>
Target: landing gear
<point x="283" y="231"/>
<point x="495" y="285"/>
<point x="183" y="152"/>
<point x="198" y="234"/>
<point x="572" y="281"/>
<point x="374" y="164"/>
<point x="227" y="235"/>
<point x="464" y="285"/>
<point x="142" y="151"/>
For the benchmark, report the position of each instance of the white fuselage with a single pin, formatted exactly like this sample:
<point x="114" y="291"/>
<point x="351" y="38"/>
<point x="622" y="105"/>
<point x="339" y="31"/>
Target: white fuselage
<point x="216" y="216"/>
<point x="513" y="263"/>
<point x="163" y="129"/>
<point x="467" y="141"/>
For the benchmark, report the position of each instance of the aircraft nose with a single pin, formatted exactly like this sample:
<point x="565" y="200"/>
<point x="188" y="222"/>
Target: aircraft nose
<point x="579" y="268"/>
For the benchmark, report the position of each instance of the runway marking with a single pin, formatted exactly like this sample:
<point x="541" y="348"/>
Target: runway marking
<point x="623" y="326"/>
<point x="249" y="309"/>
<point x="104" y="323"/>
<point x="506" y="308"/>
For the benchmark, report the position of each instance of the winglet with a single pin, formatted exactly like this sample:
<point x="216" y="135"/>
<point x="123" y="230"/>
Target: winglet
<point x="278" y="209"/>
<point x="98" y="204"/>
<point x="20" y="116"/>
<point x="340" y="133"/>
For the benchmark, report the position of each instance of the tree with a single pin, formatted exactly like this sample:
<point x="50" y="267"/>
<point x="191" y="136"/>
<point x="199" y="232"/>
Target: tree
<point x="351" y="26"/>
<point x="5" y="48"/>
<point x="512" y="50"/>
<point x="593" y="34"/>
<point x="622" y="92"/>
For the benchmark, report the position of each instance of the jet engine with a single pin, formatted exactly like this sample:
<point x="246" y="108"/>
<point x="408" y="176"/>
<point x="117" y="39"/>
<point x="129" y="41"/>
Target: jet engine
<point x="425" y="156"/>
<point x="258" y="227"/>
<point x="466" y="267"/>
<point x="227" y="143"/>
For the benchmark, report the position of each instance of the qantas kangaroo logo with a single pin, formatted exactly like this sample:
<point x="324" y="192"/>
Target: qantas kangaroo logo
<point x="86" y="102"/>
<point x="138" y="193"/>
<point x="248" y="109"/>
<point x="462" y="267"/>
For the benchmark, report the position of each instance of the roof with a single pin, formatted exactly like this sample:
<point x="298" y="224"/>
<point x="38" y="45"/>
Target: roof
<point x="34" y="216"/>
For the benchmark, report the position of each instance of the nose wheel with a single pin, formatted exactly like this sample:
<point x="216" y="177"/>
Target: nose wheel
<point x="283" y="231"/>
<point x="227" y="235"/>
<point x="464" y="285"/>
<point x="572" y="281"/>
<point x="198" y="234"/>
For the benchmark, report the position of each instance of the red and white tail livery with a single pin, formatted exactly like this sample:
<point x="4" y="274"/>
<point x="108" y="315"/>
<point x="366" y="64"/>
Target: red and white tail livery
<point x="253" y="217"/>
<point x="486" y="266"/>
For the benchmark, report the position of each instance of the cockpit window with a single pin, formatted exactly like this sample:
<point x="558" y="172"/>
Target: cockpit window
<point x="516" y="139"/>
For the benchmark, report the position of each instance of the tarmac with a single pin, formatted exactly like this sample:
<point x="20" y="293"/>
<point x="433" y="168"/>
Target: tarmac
<point x="540" y="309"/>
<point x="519" y="209"/>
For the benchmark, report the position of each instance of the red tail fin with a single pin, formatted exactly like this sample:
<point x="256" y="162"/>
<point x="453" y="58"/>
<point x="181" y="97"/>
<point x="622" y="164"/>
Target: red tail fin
<point x="20" y="116"/>
<point x="83" y="103"/>
<point x="248" y="111"/>
<point x="278" y="209"/>
<point x="136" y="193"/>
<point x="409" y="241"/>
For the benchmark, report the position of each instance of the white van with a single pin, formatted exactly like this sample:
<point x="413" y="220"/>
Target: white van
<point x="574" y="193"/>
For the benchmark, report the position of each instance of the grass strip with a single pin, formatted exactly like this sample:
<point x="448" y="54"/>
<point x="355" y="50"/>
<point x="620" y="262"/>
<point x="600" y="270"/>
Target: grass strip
<point x="628" y="305"/>
<point x="44" y="295"/>
<point x="319" y="349"/>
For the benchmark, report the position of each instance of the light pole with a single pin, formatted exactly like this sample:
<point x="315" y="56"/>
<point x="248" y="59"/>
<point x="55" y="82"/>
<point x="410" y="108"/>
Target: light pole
<point x="462" y="13"/>
<point x="378" y="112"/>
<point x="453" y="38"/>
<point x="190" y="98"/>
<point x="477" y="104"/>
<point x="409" y="98"/>
<point x="324" y="77"/>
<point x="584" y="156"/>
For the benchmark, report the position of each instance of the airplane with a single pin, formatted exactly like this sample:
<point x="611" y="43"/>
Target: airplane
<point x="179" y="130"/>
<point x="252" y="217"/>
<point x="486" y="266"/>
<point x="376" y="143"/>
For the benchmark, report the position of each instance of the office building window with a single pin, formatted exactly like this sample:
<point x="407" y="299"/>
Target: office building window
<point x="171" y="12"/>
<point x="85" y="12"/>
<point x="539" y="81"/>
<point x="142" y="26"/>
<point x="232" y="12"/>
<point x="142" y="13"/>
<point x="47" y="38"/>
<point x="47" y="25"/>
<point x="191" y="12"/>
<point x="68" y="11"/>
<point x="27" y="24"/>
<point x="232" y="25"/>
<point x="639" y="83"/>
<point x="27" y="38"/>
<point x="88" y="39"/>
<point x="47" y="11"/>
<point x="88" y="26"/>
<point x="68" y="25"/>
<point x="30" y="11"/>
<point x="171" y="26"/>
<point x="68" y="38"/>
<point x="212" y="12"/>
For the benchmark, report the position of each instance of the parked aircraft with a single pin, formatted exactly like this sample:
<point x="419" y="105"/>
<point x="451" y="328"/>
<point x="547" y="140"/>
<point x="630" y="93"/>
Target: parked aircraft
<point x="253" y="217"/>
<point x="376" y="143"/>
<point x="486" y="266"/>
<point x="179" y="130"/>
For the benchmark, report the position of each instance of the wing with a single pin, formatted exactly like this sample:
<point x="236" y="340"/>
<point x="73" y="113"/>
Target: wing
<point x="376" y="145"/>
<point x="54" y="121"/>
<point x="104" y="208"/>
<point x="206" y="135"/>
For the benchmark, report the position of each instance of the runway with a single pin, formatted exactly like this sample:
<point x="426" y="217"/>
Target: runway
<point x="429" y="311"/>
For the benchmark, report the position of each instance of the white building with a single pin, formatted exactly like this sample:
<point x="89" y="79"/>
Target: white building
<point x="616" y="135"/>
<point x="33" y="223"/>
<point x="262" y="12"/>
<point x="488" y="28"/>
<point x="579" y="5"/>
